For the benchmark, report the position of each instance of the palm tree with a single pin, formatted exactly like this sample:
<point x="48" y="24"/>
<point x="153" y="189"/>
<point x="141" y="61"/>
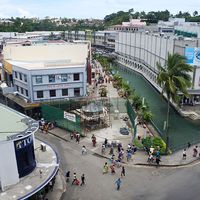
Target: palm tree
<point x="174" y="78"/>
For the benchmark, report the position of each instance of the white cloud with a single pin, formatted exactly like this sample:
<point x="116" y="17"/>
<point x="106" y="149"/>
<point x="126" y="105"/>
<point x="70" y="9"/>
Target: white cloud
<point x="9" y="9"/>
<point x="89" y="8"/>
<point x="22" y="12"/>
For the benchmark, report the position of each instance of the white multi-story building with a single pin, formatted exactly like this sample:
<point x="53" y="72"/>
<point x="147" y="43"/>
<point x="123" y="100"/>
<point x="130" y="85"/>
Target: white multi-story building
<point x="47" y="71"/>
<point x="141" y="52"/>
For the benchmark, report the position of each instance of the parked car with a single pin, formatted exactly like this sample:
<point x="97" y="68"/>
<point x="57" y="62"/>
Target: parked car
<point x="124" y="131"/>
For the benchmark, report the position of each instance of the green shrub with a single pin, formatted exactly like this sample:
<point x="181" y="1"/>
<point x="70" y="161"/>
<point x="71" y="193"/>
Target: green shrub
<point x="155" y="142"/>
<point x="158" y="141"/>
<point x="147" y="116"/>
<point x="147" y="142"/>
<point x="137" y="143"/>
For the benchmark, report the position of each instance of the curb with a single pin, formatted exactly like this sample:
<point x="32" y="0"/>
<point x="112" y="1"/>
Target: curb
<point x="137" y="164"/>
<point x="58" y="136"/>
<point x="172" y="166"/>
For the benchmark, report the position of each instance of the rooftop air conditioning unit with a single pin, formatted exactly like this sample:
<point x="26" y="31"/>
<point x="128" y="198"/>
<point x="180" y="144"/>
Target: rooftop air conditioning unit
<point x="43" y="147"/>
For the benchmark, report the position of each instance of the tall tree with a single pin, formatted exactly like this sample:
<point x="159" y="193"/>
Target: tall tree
<point x="195" y="13"/>
<point x="173" y="78"/>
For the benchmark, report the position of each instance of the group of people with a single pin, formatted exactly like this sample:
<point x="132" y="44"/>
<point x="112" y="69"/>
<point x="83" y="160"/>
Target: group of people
<point x="75" y="179"/>
<point x="196" y="152"/>
<point x="131" y="149"/>
<point x="154" y="154"/>
<point x="75" y="135"/>
<point x="45" y="126"/>
<point x="112" y="170"/>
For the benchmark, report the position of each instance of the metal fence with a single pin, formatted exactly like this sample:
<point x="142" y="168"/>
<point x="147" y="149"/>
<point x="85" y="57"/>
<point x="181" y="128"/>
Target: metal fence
<point x="54" y="111"/>
<point x="51" y="113"/>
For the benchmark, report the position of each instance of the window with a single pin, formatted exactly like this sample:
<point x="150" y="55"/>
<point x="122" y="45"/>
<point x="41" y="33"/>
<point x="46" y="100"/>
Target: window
<point x="40" y="94"/>
<point x="22" y="90"/>
<point x="20" y="76"/>
<point x="16" y="76"/>
<point x="25" y="77"/>
<point x="64" y="92"/>
<point x="52" y="93"/>
<point x="26" y="93"/>
<point x="52" y="78"/>
<point x="76" y="77"/>
<point x="76" y="92"/>
<point x="64" y="77"/>
<point x="38" y="79"/>
<point x="17" y="88"/>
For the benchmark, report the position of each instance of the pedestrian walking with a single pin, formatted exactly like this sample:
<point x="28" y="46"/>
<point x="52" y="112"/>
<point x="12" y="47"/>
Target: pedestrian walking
<point x="184" y="154"/>
<point x="112" y="168"/>
<point x="67" y="176"/>
<point x="71" y="136"/>
<point x="195" y="151"/>
<point x="106" y="142"/>
<point x="51" y="186"/>
<point x="151" y="150"/>
<point x="111" y="150"/>
<point x="150" y="158"/>
<point x="119" y="146"/>
<point x="189" y="145"/>
<point x="93" y="140"/>
<point x="84" y="150"/>
<point x="158" y="153"/>
<point x="82" y="179"/>
<point x="103" y="149"/>
<point x="157" y="161"/>
<point x="105" y="168"/>
<point x="74" y="179"/>
<point x="40" y="173"/>
<point x="123" y="171"/>
<point x="128" y="156"/>
<point x="118" y="183"/>
<point x="78" y="138"/>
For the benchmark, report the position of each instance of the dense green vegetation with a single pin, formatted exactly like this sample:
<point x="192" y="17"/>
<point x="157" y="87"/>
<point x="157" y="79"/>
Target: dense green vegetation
<point x="156" y="142"/>
<point x="125" y="91"/>
<point x="25" y="24"/>
<point x="150" y="17"/>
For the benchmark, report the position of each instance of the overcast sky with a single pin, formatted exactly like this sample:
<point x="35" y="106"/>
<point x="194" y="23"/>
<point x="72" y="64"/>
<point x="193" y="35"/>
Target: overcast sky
<point x="89" y="8"/>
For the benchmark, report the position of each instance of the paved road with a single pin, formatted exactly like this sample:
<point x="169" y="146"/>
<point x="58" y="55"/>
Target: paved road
<point x="139" y="184"/>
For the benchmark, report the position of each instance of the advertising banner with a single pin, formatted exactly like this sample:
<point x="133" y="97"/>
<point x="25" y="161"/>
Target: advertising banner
<point x="70" y="116"/>
<point x="192" y="55"/>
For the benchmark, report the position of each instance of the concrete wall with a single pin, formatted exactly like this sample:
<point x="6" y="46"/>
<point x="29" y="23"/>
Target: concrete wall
<point x="149" y="49"/>
<point x="197" y="79"/>
<point x="8" y="165"/>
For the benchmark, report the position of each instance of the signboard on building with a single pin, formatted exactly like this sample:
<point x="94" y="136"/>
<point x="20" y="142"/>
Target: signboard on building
<point x="70" y="116"/>
<point x="22" y="143"/>
<point x="192" y="55"/>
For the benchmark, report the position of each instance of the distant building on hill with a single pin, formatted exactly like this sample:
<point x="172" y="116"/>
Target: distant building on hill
<point x="131" y="26"/>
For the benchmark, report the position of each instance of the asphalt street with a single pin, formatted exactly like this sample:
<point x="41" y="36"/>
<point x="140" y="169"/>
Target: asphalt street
<point x="140" y="183"/>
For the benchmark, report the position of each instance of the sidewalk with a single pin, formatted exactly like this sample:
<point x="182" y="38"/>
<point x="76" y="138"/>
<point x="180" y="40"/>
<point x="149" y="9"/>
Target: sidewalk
<point x="58" y="189"/>
<point x="112" y="134"/>
<point x="139" y="158"/>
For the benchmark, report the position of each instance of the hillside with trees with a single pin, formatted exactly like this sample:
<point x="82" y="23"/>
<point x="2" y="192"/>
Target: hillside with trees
<point x="65" y="24"/>
<point x="150" y="17"/>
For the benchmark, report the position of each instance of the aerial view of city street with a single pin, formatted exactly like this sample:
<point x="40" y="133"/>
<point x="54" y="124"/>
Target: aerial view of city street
<point x="99" y="100"/>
